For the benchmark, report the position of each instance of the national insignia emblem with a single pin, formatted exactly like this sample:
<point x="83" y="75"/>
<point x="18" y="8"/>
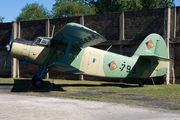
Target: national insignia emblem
<point x="149" y="44"/>
<point x="112" y="65"/>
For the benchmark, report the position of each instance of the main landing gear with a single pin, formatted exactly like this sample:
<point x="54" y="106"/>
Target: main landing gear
<point x="37" y="81"/>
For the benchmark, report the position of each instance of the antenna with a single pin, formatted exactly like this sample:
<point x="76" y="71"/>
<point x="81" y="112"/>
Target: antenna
<point x="53" y="31"/>
<point x="109" y="48"/>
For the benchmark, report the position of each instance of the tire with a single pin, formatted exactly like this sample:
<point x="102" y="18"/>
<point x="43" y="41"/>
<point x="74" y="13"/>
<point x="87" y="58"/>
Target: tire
<point x="37" y="82"/>
<point x="34" y="77"/>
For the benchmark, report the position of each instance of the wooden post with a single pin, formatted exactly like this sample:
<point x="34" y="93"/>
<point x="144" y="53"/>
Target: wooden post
<point x="166" y="36"/>
<point x="121" y="36"/>
<point x="81" y="77"/>
<point x="171" y="48"/>
<point x="82" y="20"/>
<point x="14" y="61"/>
<point x="47" y="35"/>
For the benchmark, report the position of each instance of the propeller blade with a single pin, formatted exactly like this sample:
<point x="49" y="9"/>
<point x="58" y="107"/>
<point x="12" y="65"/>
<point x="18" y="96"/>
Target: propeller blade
<point x="11" y="36"/>
<point x="9" y="47"/>
<point x="7" y="56"/>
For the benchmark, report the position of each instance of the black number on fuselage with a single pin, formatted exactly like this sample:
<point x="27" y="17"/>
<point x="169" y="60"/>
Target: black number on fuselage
<point x="133" y="70"/>
<point x="128" y="68"/>
<point x="123" y="66"/>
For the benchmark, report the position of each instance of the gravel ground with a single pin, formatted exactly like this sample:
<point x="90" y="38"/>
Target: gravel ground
<point x="16" y="107"/>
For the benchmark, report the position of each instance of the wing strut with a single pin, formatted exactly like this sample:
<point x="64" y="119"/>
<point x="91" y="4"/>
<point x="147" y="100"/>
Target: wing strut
<point x="68" y="49"/>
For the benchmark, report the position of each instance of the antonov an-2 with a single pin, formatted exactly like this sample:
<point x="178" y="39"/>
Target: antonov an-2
<point x="69" y="51"/>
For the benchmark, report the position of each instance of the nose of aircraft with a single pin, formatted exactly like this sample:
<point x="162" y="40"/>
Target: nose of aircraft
<point x="20" y="48"/>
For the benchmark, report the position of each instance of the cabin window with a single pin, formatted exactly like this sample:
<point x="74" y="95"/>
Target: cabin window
<point x="42" y="42"/>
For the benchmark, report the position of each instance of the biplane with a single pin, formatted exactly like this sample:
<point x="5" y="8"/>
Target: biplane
<point x="70" y="51"/>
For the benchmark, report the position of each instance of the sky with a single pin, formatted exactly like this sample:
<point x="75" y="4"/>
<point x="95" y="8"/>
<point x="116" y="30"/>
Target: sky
<point x="9" y="9"/>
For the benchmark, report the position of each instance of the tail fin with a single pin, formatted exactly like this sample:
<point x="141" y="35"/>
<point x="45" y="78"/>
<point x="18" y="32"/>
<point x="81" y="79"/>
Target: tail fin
<point x="153" y="45"/>
<point x="153" y="49"/>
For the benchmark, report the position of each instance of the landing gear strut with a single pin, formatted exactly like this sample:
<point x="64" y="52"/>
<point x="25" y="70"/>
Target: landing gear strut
<point x="37" y="81"/>
<point x="141" y="84"/>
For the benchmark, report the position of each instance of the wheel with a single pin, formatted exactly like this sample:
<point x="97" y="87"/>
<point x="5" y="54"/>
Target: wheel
<point x="34" y="77"/>
<point x="32" y="80"/>
<point x="37" y="82"/>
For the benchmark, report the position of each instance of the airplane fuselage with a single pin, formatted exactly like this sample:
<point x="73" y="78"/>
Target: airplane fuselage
<point x="89" y="60"/>
<point x="107" y="64"/>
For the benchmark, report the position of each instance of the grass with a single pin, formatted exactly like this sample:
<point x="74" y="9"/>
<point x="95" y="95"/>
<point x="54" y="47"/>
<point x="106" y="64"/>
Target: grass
<point x="164" y="96"/>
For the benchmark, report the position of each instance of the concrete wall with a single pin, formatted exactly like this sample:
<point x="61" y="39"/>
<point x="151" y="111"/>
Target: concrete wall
<point x="125" y="31"/>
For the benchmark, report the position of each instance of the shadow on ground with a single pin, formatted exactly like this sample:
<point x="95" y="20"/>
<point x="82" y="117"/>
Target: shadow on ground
<point x="22" y="85"/>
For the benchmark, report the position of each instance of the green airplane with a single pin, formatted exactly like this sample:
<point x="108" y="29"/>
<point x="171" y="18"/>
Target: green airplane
<point x="69" y="51"/>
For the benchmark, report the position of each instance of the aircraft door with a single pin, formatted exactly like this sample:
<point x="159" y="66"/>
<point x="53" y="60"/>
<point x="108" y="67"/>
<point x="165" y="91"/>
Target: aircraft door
<point x="93" y="64"/>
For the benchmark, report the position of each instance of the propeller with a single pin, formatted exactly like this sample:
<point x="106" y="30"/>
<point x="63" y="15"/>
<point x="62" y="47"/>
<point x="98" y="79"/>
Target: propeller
<point x="8" y="46"/>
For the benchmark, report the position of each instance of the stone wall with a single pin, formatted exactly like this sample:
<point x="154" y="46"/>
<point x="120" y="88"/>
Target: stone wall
<point x="5" y="33"/>
<point x="105" y="24"/>
<point x="29" y="30"/>
<point x="141" y="23"/>
<point x="5" y="72"/>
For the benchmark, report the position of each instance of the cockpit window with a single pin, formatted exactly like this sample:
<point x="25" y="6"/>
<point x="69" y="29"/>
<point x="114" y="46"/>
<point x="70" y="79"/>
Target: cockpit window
<point x="42" y="42"/>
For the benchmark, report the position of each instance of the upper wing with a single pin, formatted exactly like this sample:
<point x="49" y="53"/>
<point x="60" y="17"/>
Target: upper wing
<point x="80" y="35"/>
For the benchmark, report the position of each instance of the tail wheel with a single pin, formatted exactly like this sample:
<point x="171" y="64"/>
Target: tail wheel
<point x="37" y="82"/>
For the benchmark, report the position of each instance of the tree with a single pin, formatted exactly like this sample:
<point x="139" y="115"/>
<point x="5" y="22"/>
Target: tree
<point x="70" y="8"/>
<point x="33" y="11"/>
<point x="105" y="6"/>
<point x="1" y="19"/>
<point x="155" y="4"/>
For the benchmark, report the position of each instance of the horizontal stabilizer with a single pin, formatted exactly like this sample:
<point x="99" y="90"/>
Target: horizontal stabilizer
<point x="155" y="57"/>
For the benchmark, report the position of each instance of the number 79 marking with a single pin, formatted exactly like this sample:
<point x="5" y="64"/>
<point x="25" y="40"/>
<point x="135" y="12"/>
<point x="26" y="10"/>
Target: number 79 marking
<point x="128" y="68"/>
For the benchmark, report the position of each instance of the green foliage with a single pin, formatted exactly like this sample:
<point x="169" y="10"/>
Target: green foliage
<point x="105" y="6"/>
<point x="70" y="8"/>
<point x="33" y="11"/>
<point x="1" y="19"/>
<point x="155" y="4"/>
